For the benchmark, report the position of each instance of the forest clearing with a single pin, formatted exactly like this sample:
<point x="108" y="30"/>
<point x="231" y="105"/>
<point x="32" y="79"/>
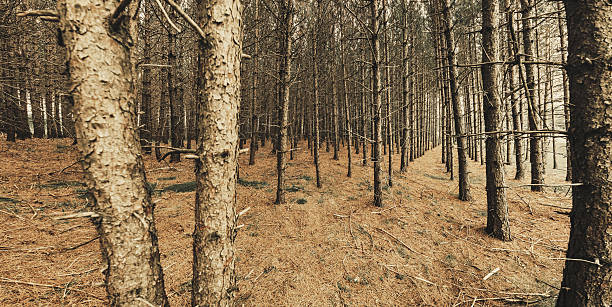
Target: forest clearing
<point x="324" y="247"/>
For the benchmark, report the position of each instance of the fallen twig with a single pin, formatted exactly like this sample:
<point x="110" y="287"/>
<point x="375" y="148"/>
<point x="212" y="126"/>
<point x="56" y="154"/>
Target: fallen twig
<point x="19" y="282"/>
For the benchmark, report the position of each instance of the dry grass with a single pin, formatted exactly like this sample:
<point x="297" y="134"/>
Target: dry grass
<point x="326" y="247"/>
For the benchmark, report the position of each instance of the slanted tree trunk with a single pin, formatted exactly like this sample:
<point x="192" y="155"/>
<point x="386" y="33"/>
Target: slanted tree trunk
<point x="516" y="110"/>
<point x="535" y="141"/>
<point x="464" y="182"/>
<point x="103" y="82"/>
<point x="497" y="206"/>
<point x="588" y="269"/>
<point x="214" y="277"/>
<point x="347" y="110"/>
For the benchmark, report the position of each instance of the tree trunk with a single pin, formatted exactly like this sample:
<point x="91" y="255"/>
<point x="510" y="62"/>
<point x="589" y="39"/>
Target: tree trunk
<point x="535" y="141"/>
<point x="145" y="105"/>
<point x="253" y="145"/>
<point x="376" y="103"/>
<point x="464" y="182"/>
<point x="315" y="93"/>
<point x="347" y="109"/>
<point x="566" y="94"/>
<point x="405" y="72"/>
<point x="214" y="278"/>
<point x="587" y="283"/>
<point x="283" y="109"/>
<point x="103" y="82"/>
<point x="497" y="206"/>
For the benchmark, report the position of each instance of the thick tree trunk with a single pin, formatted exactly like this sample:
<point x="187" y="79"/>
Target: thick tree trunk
<point x="497" y="206"/>
<point x="588" y="271"/>
<point x="103" y="82"/>
<point x="214" y="278"/>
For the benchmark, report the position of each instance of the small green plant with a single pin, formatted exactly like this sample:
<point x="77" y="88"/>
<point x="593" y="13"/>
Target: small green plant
<point x="81" y="193"/>
<point x="167" y="178"/>
<point x="61" y="148"/>
<point x="294" y="188"/>
<point x="254" y="184"/>
<point x="304" y="177"/>
<point x="181" y="187"/>
<point x="301" y="201"/>
<point x="8" y="200"/>
<point x="61" y="184"/>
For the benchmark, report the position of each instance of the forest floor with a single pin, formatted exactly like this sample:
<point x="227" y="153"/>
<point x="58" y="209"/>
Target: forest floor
<point x="325" y="247"/>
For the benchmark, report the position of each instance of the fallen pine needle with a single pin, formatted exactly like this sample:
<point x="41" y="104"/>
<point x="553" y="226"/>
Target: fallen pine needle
<point x="491" y="274"/>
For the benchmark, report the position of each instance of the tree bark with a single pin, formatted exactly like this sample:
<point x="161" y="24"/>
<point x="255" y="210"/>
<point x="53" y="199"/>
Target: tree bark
<point x="535" y="141"/>
<point x="103" y="82"/>
<point x="497" y="206"/>
<point x="589" y="25"/>
<point x="464" y="182"/>
<point x="283" y="109"/>
<point x="214" y="278"/>
<point x="376" y="103"/>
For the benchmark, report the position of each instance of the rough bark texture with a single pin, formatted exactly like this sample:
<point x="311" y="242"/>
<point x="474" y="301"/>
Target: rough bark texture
<point x="101" y="71"/>
<point x="464" y="181"/>
<point x="376" y="103"/>
<point x="214" y="278"/>
<point x="283" y="108"/>
<point x="589" y="26"/>
<point x="497" y="206"/>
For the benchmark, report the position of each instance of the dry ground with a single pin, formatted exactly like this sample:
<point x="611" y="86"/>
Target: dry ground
<point x="325" y="247"/>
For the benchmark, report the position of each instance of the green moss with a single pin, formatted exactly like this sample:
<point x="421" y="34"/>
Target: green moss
<point x="301" y="201"/>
